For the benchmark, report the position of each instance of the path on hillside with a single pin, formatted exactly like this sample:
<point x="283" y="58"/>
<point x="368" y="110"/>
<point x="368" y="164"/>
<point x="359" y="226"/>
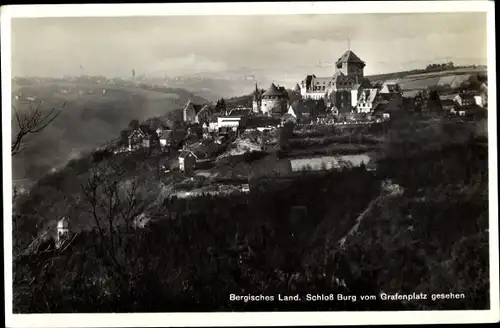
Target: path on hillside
<point x="389" y="190"/>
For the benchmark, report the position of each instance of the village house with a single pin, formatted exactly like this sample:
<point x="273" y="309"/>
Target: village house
<point x="464" y="99"/>
<point x="479" y="100"/>
<point x="390" y="90"/>
<point x="298" y="110"/>
<point x="194" y="131"/>
<point x="288" y="118"/>
<point x="187" y="161"/>
<point x="139" y="136"/>
<point x="482" y="96"/>
<point x="386" y="109"/>
<point x="245" y="188"/>
<point x="63" y="232"/>
<point x="411" y="99"/>
<point x="296" y="90"/>
<point x="221" y="138"/>
<point x="134" y="139"/>
<point x="231" y="122"/>
<point x="203" y="116"/>
<point x="367" y="101"/>
<point x="447" y="104"/>
<point x="355" y="93"/>
<point x="164" y="137"/>
<point x="245" y="112"/>
<point x="190" y="111"/>
<point x="212" y="125"/>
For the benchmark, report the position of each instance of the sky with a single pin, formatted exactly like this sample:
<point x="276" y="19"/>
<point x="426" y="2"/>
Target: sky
<point x="284" y="46"/>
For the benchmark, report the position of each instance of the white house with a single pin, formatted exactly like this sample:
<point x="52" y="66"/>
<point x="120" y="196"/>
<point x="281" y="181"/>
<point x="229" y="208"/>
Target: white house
<point x="465" y="99"/>
<point x="479" y="100"/>
<point x="367" y="100"/>
<point x="390" y="89"/>
<point x="62" y="231"/>
<point x="230" y="122"/>
<point x="187" y="161"/>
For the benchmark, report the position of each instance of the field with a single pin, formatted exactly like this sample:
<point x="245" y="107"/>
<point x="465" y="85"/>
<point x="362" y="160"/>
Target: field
<point x="438" y="74"/>
<point x="458" y="71"/>
<point x="443" y="79"/>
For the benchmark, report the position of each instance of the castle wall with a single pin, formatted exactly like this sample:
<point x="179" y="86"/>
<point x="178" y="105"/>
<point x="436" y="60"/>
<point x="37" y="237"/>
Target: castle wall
<point x="274" y="105"/>
<point x="353" y="69"/>
<point x="256" y="105"/>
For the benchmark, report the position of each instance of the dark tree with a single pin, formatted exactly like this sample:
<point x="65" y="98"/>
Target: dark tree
<point x="32" y="123"/>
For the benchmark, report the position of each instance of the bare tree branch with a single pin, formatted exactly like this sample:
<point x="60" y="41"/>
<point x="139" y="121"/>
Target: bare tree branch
<point x="31" y="123"/>
<point x="107" y="208"/>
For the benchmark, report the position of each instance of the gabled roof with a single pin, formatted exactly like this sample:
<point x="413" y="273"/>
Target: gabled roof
<point x="369" y="94"/>
<point x="272" y="91"/>
<point x="296" y="88"/>
<point x="196" y="107"/>
<point x="239" y="112"/>
<point x="138" y="131"/>
<point x="465" y="95"/>
<point x="349" y="57"/>
<point x="390" y="87"/>
<point x="447" y="102"/>
<point x="299" y="108"/>
<point x="288" y="117"/>
<point x="186" y="153"/>
<point x="205" y="110"/>
<point x="167" y="133"/>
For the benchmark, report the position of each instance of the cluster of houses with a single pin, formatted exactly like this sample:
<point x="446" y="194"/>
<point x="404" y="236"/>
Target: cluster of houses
<point x="348" y="91"/>
<point x="345" y="93"/>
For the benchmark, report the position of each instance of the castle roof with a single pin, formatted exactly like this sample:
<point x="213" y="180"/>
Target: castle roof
<point x="349" y="57"/>
<point x="274" y="91"/>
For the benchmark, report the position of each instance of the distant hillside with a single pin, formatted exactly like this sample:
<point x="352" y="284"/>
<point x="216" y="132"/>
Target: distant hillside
<point x="213" y="88"/>
<point x="426" y="73"/>
<point x="87" y="121"/>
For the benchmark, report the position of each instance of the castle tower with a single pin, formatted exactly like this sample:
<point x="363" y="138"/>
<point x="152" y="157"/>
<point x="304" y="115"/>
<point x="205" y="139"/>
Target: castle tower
<point x="351" y="65"/>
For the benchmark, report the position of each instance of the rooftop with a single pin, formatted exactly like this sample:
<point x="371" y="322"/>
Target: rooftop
<point x="274" y="91"/>
<point x="349" y="57"/>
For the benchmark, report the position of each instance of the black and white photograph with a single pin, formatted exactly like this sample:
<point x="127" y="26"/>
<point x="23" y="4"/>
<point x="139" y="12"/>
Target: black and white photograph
<point x="250" y="163"/>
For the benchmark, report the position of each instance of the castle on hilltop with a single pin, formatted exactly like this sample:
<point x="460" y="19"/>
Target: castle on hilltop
<point x="347" y="76"/>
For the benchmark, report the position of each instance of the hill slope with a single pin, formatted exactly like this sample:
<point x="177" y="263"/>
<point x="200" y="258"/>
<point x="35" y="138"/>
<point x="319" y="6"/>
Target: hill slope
<point x="88" y="120"/>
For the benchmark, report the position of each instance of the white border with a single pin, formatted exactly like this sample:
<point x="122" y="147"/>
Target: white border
<point x="260" y="318"/>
